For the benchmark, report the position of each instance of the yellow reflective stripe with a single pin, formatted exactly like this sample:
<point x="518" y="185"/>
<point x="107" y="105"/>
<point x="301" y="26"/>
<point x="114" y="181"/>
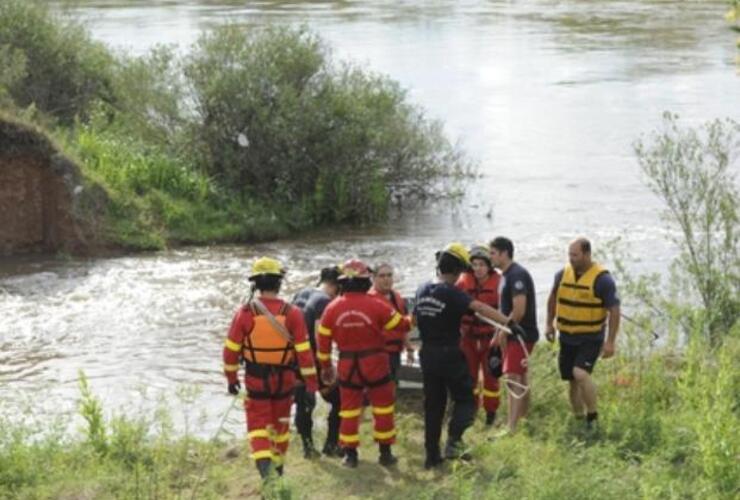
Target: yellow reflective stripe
<point x="277" y="459"/>
<point x="350" y="413"/>
<point x="349" y="438"/>
<point x="231" y="368"/>
<point x="282" y="438"/>
<point x="258" y="433"/>
<point x="324" y="331"/>
<point x="257" y="455"/>
<point x="232" y="346"/>
<point x="491" y="394"/>
<point x="394" y="321"/>
<point x="383" y="410"/>
<point x="384" y="435"/>
<point x="323" y="356"/>
<point x="308" y="371"/>
<point x="476" y="391"/>
<point x="303" y="346"/>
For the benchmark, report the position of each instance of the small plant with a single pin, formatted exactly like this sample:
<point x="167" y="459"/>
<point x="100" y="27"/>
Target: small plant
<point x="91" y="410"/>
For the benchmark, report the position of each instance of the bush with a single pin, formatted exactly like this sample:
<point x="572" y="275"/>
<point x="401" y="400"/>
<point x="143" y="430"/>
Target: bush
<point x="694" y="172"/>
<point x="63" y="70"/>
<point x="278" y="122"/>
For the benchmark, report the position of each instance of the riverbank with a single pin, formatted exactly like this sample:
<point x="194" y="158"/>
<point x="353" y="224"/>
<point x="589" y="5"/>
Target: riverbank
<point x="667" y="421"/>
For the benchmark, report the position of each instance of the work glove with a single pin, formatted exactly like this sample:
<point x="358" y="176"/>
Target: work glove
<point x="234" y="388"/>
<point x="516" y="329"/>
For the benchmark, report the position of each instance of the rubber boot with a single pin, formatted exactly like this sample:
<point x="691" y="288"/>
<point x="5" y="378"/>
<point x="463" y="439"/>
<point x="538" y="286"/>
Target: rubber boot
<point x="279" y="469"/>
<point x="455" y="450"/>
<point x="490" y="418"/>
<point x="386" y="458"/>
<point x="350" y="458"/>
<point x="332" y="449"/>
<point x="309" y="451"/>
<point x="264" y="467"/>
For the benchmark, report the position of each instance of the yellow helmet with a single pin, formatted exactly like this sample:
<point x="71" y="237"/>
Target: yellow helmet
<point x="458" y="251"/>
<point x="266" y="266"/>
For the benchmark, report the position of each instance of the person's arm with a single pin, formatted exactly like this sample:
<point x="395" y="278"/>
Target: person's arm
<point x="550" y="322"/>
<point x="323" y="354"/>
<point x="297" y="326"/>
<point x="551" y="307"/>
<point x="487" y="311"/>
<point x="609" y="348"/>
<point x="232" y="351"/>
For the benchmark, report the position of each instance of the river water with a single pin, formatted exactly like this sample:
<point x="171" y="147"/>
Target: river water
<point x="548" y="96"/>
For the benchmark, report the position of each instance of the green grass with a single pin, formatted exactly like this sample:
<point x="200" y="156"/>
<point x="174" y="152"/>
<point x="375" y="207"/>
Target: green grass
<point x="668" y="423"/>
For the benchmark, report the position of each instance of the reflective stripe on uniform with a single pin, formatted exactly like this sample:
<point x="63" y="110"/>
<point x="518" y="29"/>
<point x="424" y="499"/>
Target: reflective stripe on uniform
<point x="384" y="435"/>
<point x="231" y="368"/>
<point x="383" y="410"/>
<point x="491" y="394"/>
<point x="258" y="455"/>
<point x="258" y="433"/>
<point x="308" y="371"/>
<point x="232" y="346"/>
<point x="394" y="321"/>
<point x="322" y="356"/>
<point x="282" y="438"/>
<point x="349" y="438"/>
<point x="324" y="331"/>
<point x="303" y="346"/>
<point x="350" y="413"/>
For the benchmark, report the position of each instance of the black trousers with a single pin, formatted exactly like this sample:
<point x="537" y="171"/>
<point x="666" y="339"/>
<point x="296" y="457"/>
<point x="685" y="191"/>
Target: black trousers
<point x="444" y="371"/>
<point x="304" y="406"/>
<point x="395" y="362"/>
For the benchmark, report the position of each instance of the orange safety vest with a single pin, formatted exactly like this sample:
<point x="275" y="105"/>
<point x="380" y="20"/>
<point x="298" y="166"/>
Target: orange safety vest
<point x="265" y="345"/>
<point x="487" y="292"/>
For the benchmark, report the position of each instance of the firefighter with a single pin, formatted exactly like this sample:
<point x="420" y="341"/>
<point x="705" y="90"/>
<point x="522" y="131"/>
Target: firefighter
<point x="438" y="313"/>
<point x="396" y="339"/>
<point x="269" y="335"/>
<point x="355" y="322"/>
<point x="476" y="343"/>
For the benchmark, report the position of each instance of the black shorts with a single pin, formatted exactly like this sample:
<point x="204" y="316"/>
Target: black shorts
<point x="583" y="355"/>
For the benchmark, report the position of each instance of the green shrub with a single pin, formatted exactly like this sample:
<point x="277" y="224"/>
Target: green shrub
<point x="277" y="121"/>
<point x="64" y="71"/>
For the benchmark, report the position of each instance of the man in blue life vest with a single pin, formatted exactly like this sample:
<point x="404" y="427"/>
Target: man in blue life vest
<point x="582" y="303"/>
<point x="440" y="308"/>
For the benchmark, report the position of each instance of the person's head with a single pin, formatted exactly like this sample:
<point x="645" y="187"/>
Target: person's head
<point x="480" y="262"/>
<point x="383" y="277"/>
<point x="502" y="251"/>
<point x="355" y="276"/>
<point x="579" y="254"/>
<point x="329" y="280"/>
<point x="452" y="260"/>
<point x="267" y="274"/>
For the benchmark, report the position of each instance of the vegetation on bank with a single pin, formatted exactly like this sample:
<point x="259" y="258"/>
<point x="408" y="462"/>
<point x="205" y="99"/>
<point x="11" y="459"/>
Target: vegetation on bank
<point x="253" y="134"/>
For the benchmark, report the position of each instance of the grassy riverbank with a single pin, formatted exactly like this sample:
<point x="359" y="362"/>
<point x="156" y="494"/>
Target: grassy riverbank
<point x="667" y="428"/>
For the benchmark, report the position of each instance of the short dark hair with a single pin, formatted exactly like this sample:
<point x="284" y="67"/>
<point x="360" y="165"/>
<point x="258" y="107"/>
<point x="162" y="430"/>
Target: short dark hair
<point x="503" y="244"/>
<point x="268" y="282"/>
<point x="584" y="244"/>
<point x="449" y="264"/>
<point x="356" y="285"/>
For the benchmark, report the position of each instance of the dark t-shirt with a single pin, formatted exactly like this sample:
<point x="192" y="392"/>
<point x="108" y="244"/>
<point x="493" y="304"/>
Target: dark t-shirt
<point x="517" y="281"/>
<point x="438" y="309"/>
<point x="312" y="301"/>
<point x="605" y="288"/>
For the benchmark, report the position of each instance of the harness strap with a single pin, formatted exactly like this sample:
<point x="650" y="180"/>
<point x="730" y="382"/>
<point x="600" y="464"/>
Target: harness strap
<point x="355" y="357"/>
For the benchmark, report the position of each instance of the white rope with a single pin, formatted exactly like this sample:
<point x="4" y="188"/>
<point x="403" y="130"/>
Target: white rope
<point x="510" y="383"/>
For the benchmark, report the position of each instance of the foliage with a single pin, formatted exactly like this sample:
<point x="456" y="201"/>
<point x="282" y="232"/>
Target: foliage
<point x="55" y="66"/>
<point x="277" y="121"/>
<point x="694" y="172"/>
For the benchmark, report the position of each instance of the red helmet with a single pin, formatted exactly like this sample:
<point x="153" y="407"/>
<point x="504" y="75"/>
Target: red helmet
<point x="354" y="268"/>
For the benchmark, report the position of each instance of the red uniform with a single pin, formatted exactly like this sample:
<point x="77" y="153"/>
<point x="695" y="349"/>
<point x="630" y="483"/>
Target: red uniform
<point x="396" y="338"/>
<point x="270" y="372"/>
<point x="355" y="322"/>
<point x="476" y="339"/>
